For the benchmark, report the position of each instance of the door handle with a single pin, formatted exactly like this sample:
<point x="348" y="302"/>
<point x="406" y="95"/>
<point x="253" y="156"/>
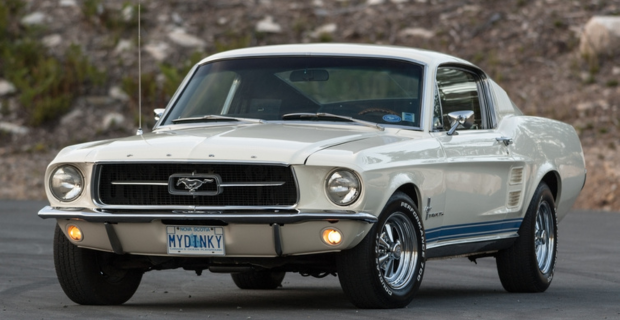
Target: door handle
<point x="507" y="141"/>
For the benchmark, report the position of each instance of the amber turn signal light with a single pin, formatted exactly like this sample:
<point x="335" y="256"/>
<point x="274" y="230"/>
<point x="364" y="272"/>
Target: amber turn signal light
<point x="332" y="236"/>
<point x="75" y="233"/>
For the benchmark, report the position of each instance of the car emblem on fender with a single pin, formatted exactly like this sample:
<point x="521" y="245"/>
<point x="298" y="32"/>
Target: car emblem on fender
<point x="195" y="184"/>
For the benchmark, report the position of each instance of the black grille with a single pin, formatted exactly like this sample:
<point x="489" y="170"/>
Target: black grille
<point x="159" y="195"/>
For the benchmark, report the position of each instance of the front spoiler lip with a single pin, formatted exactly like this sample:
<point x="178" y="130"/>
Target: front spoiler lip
<point x="246" y="218"/>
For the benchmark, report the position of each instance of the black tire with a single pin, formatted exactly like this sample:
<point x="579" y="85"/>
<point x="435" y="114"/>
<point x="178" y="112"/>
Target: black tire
<point x="260" y="280"/>
<point x="528" y="265"/>
<point x="365" y="279"/>
<point x="88" y="277"/>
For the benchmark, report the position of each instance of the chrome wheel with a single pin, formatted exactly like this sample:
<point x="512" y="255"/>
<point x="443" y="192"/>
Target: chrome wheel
<point x="397" y="251"/>
<point x="544" y="240"/>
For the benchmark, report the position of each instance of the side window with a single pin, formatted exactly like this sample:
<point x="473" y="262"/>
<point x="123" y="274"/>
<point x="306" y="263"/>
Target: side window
<point x="458" y="91"/>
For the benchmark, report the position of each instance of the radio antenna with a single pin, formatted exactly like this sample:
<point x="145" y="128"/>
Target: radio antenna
<point x="139" y="132"/>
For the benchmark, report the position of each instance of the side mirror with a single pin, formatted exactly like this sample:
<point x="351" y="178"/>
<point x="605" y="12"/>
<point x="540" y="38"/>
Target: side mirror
<point x="158" y="113"/>
<point x="464" y="118"/>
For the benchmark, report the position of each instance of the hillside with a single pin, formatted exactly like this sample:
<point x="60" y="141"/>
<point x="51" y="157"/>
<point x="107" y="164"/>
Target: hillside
<point x="68" y="71"/>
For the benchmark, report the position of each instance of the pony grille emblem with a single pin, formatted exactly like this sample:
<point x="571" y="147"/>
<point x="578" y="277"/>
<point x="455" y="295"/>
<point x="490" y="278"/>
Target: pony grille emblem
<point x="195" y="184"/>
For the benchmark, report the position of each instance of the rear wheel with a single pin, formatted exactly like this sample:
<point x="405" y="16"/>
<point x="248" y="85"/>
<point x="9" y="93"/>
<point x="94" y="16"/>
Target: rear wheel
<point x="262" y="280"/>
<point x="385" y="270"/>
<point x="89" y="277"/>
<point x="528" y="265"/>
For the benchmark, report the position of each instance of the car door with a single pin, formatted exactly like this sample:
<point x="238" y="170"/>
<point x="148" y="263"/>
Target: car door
<point x="478" y="162"/>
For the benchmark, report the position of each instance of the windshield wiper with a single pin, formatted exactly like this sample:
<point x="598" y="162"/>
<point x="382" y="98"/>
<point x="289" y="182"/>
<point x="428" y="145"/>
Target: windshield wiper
<point x="212" y="117"/>
<point x="319" y="115"/>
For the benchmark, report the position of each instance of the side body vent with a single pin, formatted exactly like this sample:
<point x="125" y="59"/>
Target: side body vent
<point x="516" y="175"/>
<point x="514" y="198"/>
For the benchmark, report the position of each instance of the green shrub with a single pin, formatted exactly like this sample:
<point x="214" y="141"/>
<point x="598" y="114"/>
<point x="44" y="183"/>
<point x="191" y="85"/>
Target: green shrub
<point x="46" y="85"/>
<point x="95" y="12"/>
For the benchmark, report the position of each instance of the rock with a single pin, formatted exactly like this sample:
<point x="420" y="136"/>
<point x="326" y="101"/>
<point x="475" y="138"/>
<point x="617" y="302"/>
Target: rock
<point x="113" y="119"/>
<point x="123" y="45"/>
<point x="585" y="106"/>
<point x="417" y="32"/>
<point x="99" y="100"/>
<point x="159" y="51"/>
<point x="128" y="13"/>
<point x="71" y="117"/>
<point x="34" y="18"/>
<point x="176" y="18"/>
<point x="469" y="8"/>
<point x="52" y="40"/>
<point x="601" y="36"/>
<point x="118" y="94"/>
<point x="267" y="25"/>
<point x="222" y="21"/>
<point x="374" y="2"/>
<point x="6" y="87"/>
<point x="162" y="18"/>
<point x="13" y="128"/>
<point x="615" y="71"/>
<point x="318" y="3"/>
<point x="67" y="3"/>
<point x="324" y="29"/>
<point x="183" y="39"/>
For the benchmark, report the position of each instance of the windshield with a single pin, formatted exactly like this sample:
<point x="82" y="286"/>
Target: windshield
<point x="376" y="90"/>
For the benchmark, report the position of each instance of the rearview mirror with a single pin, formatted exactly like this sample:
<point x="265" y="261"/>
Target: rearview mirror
<point x="464" y="118"/>
<point x="309" y="75"/>
<point x="158" y="113"/>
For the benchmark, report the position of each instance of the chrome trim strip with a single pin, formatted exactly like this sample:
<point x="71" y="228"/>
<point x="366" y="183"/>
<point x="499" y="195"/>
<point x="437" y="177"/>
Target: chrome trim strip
<point x="235" y="162"/>
<point x="245" y="218"/>
<point x="231" y="184"/>
<point x="251" y="184"/>
<point x="472" y="239"/>
<point x="140" y="183"/>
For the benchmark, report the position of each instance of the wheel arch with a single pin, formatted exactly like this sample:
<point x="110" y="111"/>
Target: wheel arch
<point x="553" y="181"/>
<point x="412" y="191"/>
<point x="551" y="177"/>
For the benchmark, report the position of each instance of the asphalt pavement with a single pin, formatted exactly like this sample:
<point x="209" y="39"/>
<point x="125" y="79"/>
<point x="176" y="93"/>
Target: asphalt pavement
<point x="586" y="283"/>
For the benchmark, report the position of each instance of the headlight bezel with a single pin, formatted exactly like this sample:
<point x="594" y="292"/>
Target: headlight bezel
<point x="59" y="195"/>
<point x="352" y="198"/>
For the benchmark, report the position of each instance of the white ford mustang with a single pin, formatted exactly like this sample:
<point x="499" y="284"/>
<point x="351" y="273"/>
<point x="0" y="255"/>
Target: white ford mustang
<point x="356" y="160"/>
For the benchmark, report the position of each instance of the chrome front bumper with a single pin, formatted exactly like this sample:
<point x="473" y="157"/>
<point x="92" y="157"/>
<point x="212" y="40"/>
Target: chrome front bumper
<point x="247" y="217"/>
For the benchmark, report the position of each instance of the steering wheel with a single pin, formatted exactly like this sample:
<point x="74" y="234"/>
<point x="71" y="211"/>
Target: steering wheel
<point x="370" y="110"/>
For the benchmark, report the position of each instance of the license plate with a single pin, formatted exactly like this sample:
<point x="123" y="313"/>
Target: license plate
<point x="195" y="240"/>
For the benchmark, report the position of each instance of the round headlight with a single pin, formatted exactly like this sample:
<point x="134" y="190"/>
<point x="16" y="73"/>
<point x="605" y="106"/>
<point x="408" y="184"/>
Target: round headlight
<point x="66" y="183"/>
<point x="343" y="187"/>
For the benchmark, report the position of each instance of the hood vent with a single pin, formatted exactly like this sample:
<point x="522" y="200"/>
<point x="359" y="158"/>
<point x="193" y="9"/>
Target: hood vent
<point x="516" y="175"/>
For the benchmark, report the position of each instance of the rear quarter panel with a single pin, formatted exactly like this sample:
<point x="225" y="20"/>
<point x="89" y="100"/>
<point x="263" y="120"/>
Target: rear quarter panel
<point x="545" y="145"/>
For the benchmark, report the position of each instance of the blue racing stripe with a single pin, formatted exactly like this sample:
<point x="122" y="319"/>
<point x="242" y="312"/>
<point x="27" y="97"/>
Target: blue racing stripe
<point x="473" y="229"/>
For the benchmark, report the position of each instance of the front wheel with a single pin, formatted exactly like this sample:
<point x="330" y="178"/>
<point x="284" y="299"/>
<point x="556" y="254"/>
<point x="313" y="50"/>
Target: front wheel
<point x="385" y="270"/>
<point x="528" y="265"/>
<point x="89" y="277"/>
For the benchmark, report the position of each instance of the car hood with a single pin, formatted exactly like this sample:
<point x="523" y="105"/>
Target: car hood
<point x="282" y="143"/>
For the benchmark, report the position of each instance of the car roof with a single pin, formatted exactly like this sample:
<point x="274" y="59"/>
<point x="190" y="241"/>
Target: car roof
<point x="430" y="58"/>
